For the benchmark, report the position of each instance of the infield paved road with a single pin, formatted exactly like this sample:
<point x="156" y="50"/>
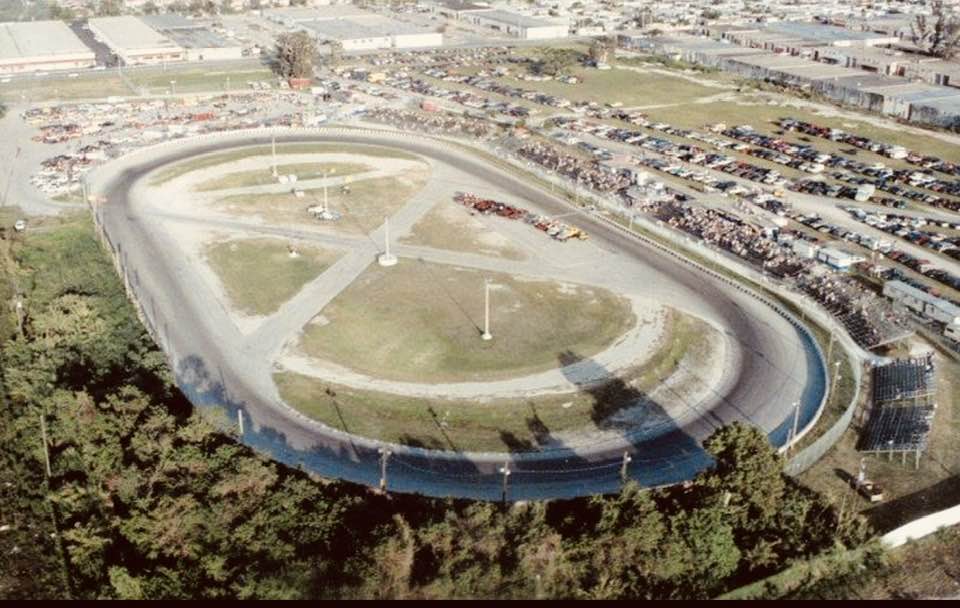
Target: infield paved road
<point x="774" y="364"/>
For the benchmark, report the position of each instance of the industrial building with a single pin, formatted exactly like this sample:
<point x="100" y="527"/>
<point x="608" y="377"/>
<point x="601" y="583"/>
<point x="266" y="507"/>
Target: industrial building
<point x="874" y="84"/>
<point x="134" y="42"/>
<point x="198" y="40"/>
<point x="355" y="29"/>
<point x="32" y="46"/>
<point x="515" y="24"/>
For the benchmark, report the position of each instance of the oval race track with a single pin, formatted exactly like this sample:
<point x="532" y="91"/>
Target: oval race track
<point x="779" y="364"/>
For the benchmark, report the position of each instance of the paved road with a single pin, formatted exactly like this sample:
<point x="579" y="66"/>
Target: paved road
<point x="773" y="367"/>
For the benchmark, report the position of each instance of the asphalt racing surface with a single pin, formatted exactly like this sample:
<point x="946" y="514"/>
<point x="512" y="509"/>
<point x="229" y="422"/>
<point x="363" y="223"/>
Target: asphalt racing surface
<point x="777" y="363"/>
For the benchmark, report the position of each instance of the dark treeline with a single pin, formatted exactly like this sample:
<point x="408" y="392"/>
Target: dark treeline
<point x="146" y="498"/>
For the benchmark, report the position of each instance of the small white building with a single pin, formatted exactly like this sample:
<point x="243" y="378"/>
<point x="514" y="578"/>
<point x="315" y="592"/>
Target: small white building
<point x="838" y="259"/>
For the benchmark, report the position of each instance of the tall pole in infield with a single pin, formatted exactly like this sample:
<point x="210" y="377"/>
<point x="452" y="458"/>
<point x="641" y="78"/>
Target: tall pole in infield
<point x="386" y="258"/>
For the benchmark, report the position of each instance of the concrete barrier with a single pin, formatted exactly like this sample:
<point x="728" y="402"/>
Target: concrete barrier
<point x="921" y="527"/>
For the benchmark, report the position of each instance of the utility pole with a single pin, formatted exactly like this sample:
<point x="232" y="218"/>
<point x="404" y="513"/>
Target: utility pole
<point x="384" y="456"/>
<point x="623" y="468"/>
<point x="240" y="421"/>
<point x="326" y="178"/>
<point x="486" y="312"/>
<point x="46" y="451"/>
<point x="796" y="420"/>
<point x="19" y="307"/>
<point x="505" y="471"/>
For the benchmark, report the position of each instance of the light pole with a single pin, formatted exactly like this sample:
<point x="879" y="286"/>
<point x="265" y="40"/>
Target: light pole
<point x="173" y="87"/>
<point x="384" y="456"/>
<point x="623" y="468"/>
<point x="505" y="471"/>
<point x="796" y="421"/>
<point x="486" y="312"/>
<point x="386" y="258"/>
<point x="326" y="177"/>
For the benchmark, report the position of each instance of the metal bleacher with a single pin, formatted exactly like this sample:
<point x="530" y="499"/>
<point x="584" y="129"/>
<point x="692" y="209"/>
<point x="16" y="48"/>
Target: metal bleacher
<point x="903" y="407"/>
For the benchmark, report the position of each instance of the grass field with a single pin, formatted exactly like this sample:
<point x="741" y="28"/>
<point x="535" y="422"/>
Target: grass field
<point x="450" y="226"/>
<point x="259" y="275"/>
<point x="363" y="209"/>
<point x="422" y="322"/>
<point x="198" y="80"/>
<point x="261" y="177"/>
<point x="520" y="424"/>
<point x="625" y="86"/>
<point x="61" y="88"/>
<point x="211" y="160"/>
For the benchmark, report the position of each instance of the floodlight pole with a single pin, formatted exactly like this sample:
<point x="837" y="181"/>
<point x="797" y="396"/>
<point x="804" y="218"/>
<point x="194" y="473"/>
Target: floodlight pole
<point x="505" y="471"/>
<point x="384" y="456"/>
<point x="623" y="468"/>
<point x="327" y="208"/>
<point x="796" y="421"/>
<point x="486" y="312"/>
<point x="240" y="421"/>
<point x="386" y="258"/>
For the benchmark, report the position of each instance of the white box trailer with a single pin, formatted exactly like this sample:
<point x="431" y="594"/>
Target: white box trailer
<point x="922" y="303"/>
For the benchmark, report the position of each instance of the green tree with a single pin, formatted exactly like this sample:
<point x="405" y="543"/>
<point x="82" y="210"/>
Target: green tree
<point x="295" y="53"/>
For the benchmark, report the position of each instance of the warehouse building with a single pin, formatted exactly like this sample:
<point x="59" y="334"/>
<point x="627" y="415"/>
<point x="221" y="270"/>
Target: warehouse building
<point x="198" y="40"/>
<point x="134" y="42"/>
<point x="33" y="46"/>
<point x="355" y="29"/>
<point x="515" y="24"/>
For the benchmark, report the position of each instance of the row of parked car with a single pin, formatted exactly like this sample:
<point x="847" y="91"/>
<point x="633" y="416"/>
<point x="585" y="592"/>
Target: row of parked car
<point x="908" y="229"/>
<point x="925" y="161"/>
<point x="683" y="152"/>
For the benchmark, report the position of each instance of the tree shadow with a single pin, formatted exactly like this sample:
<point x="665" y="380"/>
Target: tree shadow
<point x="516" y="444"/>
<point x="425" y="442"/>
<point x="897" y="512"/>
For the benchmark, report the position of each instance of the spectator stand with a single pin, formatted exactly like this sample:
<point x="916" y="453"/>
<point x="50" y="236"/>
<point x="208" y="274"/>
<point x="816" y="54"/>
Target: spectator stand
<point x="902" y="408"/>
